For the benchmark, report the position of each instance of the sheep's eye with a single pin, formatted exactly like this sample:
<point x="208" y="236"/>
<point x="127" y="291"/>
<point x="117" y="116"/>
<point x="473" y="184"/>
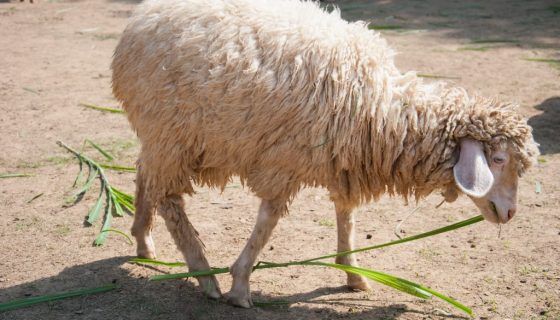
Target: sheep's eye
<point x="498" y="160"/>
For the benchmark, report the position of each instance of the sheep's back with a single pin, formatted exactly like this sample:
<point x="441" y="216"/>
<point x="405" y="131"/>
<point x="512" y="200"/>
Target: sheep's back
<point x="231" y="87"/>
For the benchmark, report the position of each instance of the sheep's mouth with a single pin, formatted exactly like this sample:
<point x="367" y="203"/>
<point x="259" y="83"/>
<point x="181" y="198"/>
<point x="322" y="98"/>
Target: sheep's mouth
<point x="494" y="210"/>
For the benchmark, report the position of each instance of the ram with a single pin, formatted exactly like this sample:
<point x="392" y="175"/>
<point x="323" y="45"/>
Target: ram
<point x="286" y="95"/>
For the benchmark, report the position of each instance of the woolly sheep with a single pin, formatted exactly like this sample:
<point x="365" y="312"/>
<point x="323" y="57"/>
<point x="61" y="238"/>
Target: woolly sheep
<point x="285" y="95"/>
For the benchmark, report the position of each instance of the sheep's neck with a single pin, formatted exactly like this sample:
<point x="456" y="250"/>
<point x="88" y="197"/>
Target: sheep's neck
<point x="410" y="154"/>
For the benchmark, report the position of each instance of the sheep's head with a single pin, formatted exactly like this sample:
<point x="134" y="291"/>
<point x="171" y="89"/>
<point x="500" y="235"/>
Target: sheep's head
<point x="488" y="173"/>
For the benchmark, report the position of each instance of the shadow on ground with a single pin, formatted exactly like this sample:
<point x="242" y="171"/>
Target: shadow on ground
<point x="138" y="298"/>
<point x="546" y="126"/>
<point x="513" y="23"/>
<point x="517" y="23"/>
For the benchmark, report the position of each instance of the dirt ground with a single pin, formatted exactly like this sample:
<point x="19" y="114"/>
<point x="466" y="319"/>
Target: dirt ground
<point x="56" y="54"/>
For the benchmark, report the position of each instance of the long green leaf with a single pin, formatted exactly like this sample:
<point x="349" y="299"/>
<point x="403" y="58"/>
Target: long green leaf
<point x="80" y="172"/>
<point x="117" y="168"/>
<point x="122" y="194"/>
<point x="552" y="62"/>
<point x="107" y="223"/>
<point x="157" y="262"/>
<point x="455" y="303"/>
<point x="118" y="208"/>
<point x="35" y="197"/>
<point x="15" y="175"/>
<point x="93" y="213"/>
<point x="397" y="283"/>
<point x="448" y="228"/>
<point x="128" y="240"/>
<point x="22" y="303"/>
<point x="382" y="278"/>
<point x="100" y="108"/>
<point x="190" y="274"/>
<point x="106" y="154"/>
<point x="90" y="179"/>
<point x="124" y="199"/>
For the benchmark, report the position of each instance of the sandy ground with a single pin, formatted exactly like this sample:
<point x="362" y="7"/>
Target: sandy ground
<point x="56" y="54"/>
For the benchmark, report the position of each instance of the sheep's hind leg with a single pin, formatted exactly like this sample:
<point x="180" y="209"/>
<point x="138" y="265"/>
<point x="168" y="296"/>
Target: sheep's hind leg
<point x="143" y="220"/>
<point x="187" y="240"/>
<point x="269" y="213"/>
<point x="345" y="227"/>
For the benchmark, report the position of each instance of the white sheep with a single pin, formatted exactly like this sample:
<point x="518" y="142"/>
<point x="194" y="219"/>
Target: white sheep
<point x="285" y="95"/>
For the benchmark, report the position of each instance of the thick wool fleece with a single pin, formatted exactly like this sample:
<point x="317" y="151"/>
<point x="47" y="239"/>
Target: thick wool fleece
<point x="284" y="95"/>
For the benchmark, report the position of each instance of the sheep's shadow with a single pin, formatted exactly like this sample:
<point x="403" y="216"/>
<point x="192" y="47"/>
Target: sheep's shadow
<point x="546" y="126"/>
<point x="138" y="298"/>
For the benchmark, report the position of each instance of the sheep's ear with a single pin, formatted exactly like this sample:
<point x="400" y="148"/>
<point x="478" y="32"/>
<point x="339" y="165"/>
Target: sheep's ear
<point x="472" y="174"/>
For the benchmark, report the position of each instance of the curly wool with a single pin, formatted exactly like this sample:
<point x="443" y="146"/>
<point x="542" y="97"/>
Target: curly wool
<point x="286" y="95"/>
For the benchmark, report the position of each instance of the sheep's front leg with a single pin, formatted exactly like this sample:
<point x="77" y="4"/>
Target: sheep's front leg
<point x="187" y="240"/>
<point x="269" y="213"/>
<point x="345" y="227"/>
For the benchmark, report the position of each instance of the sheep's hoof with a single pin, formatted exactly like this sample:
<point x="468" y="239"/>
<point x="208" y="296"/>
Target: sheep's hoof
<point x="242" y="302"/>
<point x="358" y="283"/>
<point x="146" y="254"/>
<point x="145" y="247"/>
<point x="210" y="287"/>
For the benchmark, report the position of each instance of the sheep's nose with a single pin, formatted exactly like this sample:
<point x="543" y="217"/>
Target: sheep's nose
<point x="511" y="213"/>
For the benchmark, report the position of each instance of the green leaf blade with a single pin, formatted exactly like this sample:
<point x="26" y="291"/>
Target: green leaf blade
<point x="22" y="303"/>
<point x="15" y="175"/>
<point x="157" y="262"/>
<point x="100" y="108"/>
<point x="100" y="240"/>
<point x="93" y="213"/>
<point x="105" y="153"/>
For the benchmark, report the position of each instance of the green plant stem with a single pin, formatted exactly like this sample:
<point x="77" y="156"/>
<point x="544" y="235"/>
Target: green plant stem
<point x="15" y="175"/>
<point x="117" y="168"/>
<point x="266" y="265"/>
<point x="100" y="108"/>
<point x="105" y="153"/>
<point x="451" y="227"/>
<point x="22" y="303"/>
<point x="128" y="240"/>
<point x="84" y="158"/>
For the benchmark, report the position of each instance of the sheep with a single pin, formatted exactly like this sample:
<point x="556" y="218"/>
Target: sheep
<point x="285" y="95"/>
